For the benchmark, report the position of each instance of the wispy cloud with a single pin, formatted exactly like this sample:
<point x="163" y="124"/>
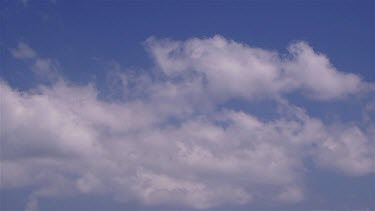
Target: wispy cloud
<point x="23" y="51"/>
<point x="44" y="68"/>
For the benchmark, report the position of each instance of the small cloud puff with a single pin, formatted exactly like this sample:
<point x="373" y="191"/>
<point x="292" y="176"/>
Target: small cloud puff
<point x="23" y="51"/>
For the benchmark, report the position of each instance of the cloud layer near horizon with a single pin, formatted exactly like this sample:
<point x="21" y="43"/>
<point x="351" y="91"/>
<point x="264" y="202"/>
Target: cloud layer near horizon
<point x="170" y="141"/>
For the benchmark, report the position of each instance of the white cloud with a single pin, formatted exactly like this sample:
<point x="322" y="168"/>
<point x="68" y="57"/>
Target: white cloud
<point x="170" y="141"/>
<point x="44" y="68"/>
<point x="313" y="73"/>
<point x="235" y="70"/>
<point x="23" y="51"/>
<point x="354" y="150"/>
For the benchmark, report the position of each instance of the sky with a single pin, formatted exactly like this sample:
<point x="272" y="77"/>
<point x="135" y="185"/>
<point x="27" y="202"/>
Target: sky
<point x="187" y="105"/>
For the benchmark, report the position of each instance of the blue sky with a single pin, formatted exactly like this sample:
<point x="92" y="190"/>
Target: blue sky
<point x="191" y="105"/>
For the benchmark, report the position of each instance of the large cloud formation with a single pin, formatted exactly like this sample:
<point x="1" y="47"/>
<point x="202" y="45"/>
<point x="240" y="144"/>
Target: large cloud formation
<point x="170" y="140"/>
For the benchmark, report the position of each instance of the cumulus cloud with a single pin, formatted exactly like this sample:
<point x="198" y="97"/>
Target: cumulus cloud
<point x="313" y="73"/>
<point x="233" y="69"/>
<point x="171" y="142"/>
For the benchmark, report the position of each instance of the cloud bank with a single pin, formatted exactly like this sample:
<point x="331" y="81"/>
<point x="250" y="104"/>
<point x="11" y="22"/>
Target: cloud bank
<point x="170" y="140"/>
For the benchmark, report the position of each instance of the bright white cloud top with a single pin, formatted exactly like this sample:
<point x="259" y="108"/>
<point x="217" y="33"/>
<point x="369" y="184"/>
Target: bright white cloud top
<point x="171" y="140"/>
<point x="236" y="70"/>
